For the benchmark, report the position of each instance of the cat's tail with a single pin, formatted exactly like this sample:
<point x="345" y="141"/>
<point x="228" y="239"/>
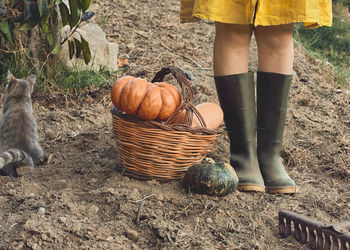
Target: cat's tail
<point x="15" y="155"/>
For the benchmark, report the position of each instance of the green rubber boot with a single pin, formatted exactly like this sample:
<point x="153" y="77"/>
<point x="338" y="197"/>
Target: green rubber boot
<point x="237" y="100"/>
<point x="272" y="98"/>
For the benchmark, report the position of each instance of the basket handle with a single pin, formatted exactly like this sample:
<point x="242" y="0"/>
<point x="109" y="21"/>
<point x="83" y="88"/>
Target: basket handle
<point x="186" y="93"/>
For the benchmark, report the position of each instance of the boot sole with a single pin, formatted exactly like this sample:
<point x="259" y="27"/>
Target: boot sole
<point x="251" y="188"/>
<point x="282" y="190"/>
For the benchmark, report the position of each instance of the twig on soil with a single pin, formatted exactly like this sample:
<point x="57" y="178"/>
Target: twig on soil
<point x="139" y="213"/>
<point x="49" y="159"/>
<point x="176" y="53"/>
<point x="186" y="57"/>
<point x="143" y="198"/>
<point x="58" y="136"/>
<point x="185" y="209"/>
<point x="169" y="238"/>
<point x="14" y="224"/>
<point x="144" y="36"/>
<point x="205" y="208"/>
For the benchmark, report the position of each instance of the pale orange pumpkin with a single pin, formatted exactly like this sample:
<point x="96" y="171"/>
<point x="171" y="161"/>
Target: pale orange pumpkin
<point x="147" y="100"/>
<point x="211" y="112"/>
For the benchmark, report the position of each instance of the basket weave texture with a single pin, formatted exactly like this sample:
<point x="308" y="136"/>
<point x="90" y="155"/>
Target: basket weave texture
<point x="162" y="150"/>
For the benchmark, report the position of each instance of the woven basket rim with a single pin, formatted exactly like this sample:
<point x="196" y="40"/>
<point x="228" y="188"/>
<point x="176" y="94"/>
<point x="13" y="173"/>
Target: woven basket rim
<point x="163" y="125"/>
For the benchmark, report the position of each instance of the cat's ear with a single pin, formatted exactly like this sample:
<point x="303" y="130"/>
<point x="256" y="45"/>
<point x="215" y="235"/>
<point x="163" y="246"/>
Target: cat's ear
<point x="10" y="77"/>
<point x="31" y="79"/>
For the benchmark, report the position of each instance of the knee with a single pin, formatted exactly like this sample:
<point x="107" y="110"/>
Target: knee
<point x="277" y="43"/>
<point x="275" y="38"/>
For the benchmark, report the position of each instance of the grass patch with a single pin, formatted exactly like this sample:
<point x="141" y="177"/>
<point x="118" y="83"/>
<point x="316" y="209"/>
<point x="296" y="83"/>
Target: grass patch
<point x="74" y="78"/>
<point x="54" y="76"/>
<point x="330" y="44"/>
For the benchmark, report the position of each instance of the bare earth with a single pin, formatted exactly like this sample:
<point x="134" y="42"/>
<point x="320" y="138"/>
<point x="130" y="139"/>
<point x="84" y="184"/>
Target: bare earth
<point x="77" y="200"/>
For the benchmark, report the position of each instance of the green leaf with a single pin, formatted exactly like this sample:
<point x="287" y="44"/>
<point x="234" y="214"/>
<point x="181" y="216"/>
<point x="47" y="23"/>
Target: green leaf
<point x="85" y="4"/>
<point x="79" y="4"/>
<point x="77" y="47"/>
<point x="75" y="17"/>
<point x="71" y="49"/>
<point x="49" y="38"/>
<point x="29" y="25"/>
<point x="86" y="50"/>
<point x="57" y="49"/>
<point x="5" y="28"/>
<point x="43" y="7"/>
<point x="64" y="13"/>
<point x="44" y="22"/>
<point x="87" y="15"/>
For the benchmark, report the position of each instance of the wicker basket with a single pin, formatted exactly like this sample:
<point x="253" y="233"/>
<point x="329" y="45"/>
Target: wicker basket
<point x="162" y="150"/>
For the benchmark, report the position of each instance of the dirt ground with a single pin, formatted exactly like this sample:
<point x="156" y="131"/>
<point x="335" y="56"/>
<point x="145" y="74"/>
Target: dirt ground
<point x="77" y="200"/>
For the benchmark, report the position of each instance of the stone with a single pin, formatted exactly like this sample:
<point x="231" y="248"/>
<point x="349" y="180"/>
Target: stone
<point x="62" y="220"/>
<point x="41" y="211"/>
<point x="103" y="52"/>
<point x="93" y="209"/>
<point x="209" y="220"/>
<point x="110" y="238"/>
<point x="132" y="235"/>
<point x="160" y="197"/>
<point x="135" y="194"/>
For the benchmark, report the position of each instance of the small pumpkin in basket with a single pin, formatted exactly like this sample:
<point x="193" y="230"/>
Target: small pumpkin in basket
<point x="211" y="113"/>
<point x="212" y="179"/>
<point x="147" y="100"/>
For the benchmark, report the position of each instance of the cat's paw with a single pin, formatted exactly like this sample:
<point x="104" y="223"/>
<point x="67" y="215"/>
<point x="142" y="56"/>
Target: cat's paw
<point x="8" y="172"/>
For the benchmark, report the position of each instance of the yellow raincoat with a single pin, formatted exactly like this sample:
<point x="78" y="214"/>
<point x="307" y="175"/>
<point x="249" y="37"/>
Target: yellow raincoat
<point x="312" y="13"/>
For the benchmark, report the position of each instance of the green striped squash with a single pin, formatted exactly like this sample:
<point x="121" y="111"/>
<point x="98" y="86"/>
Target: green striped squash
<point x="212" y="179"/>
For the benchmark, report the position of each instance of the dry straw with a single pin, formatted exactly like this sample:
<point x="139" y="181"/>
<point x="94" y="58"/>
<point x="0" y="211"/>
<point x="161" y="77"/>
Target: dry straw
<point x="162" y="150"/>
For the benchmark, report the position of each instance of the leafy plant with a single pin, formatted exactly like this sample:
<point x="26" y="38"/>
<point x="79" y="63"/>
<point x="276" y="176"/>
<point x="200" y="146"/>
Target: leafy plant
<point x="48" y="15"/>
<point x="342" y="2"/>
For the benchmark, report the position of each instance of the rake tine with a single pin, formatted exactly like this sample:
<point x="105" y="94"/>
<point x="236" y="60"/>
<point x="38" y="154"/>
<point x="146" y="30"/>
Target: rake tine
<point x="312" y="238"/>
<point x="336" y="243"/>
<point x="288" y="229"/>
<point x="303" y="239"/>
<point x="285" y="227"/>
<point x="297" y="231"/>
<point x="328" y="243"/>
<point x="343" y="244"/>
<point x="320" y="239"/>
<point x="282" y="226"/>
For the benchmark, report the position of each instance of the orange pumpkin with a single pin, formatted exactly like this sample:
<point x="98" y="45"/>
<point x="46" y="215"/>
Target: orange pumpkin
<point x="147" y="100"/>
<point x="117" y="89"/>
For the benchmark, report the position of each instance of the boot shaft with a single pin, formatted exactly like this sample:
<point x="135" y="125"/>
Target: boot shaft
<point x="272" y="104"/>
<point x="237" y="99"/>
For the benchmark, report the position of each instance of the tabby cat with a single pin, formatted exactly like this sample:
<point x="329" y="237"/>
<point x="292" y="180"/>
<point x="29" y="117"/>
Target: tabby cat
<point x="18" y="130"/>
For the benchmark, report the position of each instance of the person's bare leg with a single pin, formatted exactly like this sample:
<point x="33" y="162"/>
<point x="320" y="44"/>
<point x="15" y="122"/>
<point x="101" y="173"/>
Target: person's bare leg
<point x="235" y="88"/>
<point x="231" y="48"/>
<point x="275" y="48"/>
<point x="275" y="67"/>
